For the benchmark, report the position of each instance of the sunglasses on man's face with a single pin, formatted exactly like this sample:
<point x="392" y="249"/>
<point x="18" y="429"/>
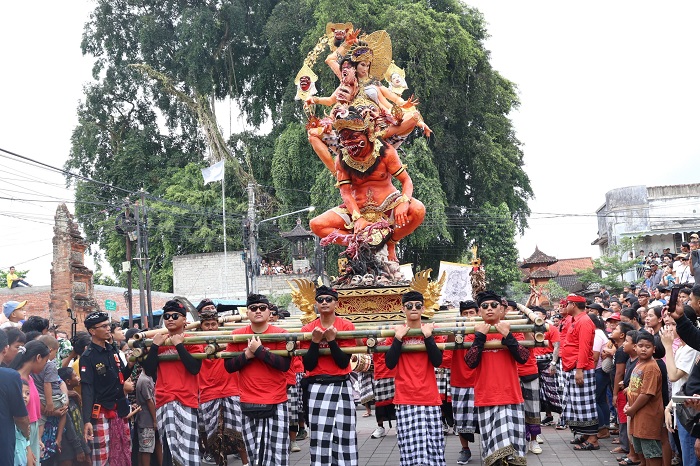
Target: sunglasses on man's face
<point x="324" y="299"/>
<point x="261" y="308"/>
<point x="493" y="305"/>
<point x="410" y="306"/>
<point x="173" y="316"/>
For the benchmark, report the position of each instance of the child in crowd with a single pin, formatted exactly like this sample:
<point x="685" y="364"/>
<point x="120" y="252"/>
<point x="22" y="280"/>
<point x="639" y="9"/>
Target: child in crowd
<point x="644" y="402"/>
<point x="52" y="390"/>
<point x="23" y="453"/>
<point x="74" y="449"/>
<point x="149" y="440"/>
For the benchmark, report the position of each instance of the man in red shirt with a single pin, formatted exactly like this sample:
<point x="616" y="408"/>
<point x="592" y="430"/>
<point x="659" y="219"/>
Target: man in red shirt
<point x="530" y="385"/>
<point x="219" y="399"/>
<point x="547" y="362"/>
<point x="462" y="379"/>
<point x="263" y="387"/>
<point x="580" y="409"/>
<point x="331" y="406"/>
<point x="177" y="388"/>
<point x="497" y="396"/>
<point x="384" y="409"/>
<point x="418" y="403"/>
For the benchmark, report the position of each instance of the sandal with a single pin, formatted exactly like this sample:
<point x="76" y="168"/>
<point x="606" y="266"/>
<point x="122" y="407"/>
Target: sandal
<point x="619" y="450"/>
<point x="580" y="440"/>
<point x="615" y="441"/>
<point x="366" y="414"/>
<point x="628" y="462"/>
<point x="614" y="432"/>
<point x="585" y="446"/>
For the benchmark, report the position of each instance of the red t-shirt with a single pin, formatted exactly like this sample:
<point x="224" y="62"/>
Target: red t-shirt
<point x="380" y="369"/>
<point x="530" y="366"/>
<point x="446" y="355"/>
<point x="215" y="382"/>
<point x="461" y="375"/>
<point x="295" y="367"/>
<point x="415" y="383"/>
<point x="497" y="381"/>
<point x="551" y="335"/>
<point x="565" y="325"/>
<point x="326" y="365"/>
<point x="258" y="381"/>
<point x="174" y="382"/>
<point x="577" y="350"/>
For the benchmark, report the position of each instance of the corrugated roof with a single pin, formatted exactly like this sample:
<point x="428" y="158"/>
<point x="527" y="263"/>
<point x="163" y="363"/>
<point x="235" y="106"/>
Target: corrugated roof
<point x="569" y="266"/>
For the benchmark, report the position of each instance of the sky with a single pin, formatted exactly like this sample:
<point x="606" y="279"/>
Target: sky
<point x="608" y="93"/>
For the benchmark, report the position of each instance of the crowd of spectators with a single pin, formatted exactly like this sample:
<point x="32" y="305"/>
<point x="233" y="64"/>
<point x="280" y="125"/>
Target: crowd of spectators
<point x="277" y="268"/>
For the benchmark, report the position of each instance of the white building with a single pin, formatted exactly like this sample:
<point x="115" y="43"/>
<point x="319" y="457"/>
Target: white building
<point x="661" y="216"/>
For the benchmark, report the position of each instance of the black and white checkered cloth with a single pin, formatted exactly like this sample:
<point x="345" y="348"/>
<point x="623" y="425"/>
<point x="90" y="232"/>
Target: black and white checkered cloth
<point x="580" y="410"/>
<point x="419" y="434"/>
<point x="502" y="433"/>
<point x="550" y="399"/>
<point x="209" y="413"/>
<point x="463" y="410"/>
<point x="384" y="389"/>
<point x="531" y="395"/>
<point x="294" y="404"/>
<point x="332" y="424"/>
<point x="442" y="377"/>
<point x="177" y="425"/>
<point x="366" y="387"/>
<point x="268" y="438"/>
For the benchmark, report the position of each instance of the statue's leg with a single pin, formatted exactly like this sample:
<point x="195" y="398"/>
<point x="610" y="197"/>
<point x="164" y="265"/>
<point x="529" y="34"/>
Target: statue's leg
<point x="327" y="223"/>
<point x="415" y="214"/>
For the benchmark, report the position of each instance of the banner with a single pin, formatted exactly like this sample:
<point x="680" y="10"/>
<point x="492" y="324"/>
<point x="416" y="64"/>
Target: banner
<point x="458" y="285"/>
<point x="213" y="173"/>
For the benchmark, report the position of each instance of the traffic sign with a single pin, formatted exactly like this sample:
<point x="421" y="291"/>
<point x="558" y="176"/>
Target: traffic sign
<point x="110" y="305"/>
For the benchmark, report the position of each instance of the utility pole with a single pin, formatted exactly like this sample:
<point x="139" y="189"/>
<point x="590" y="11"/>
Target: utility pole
<point x="139" y="262"/>
<point x="253" y="237"/>
<point x="147" y="265"/>
<point x="126" y="266"/>
<point x="245" y="255"/>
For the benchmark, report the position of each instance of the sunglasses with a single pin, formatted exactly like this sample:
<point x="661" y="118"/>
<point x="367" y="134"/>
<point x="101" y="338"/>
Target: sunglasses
<point x="493" y="305"/>
<point x="173" y="316"/>
<point x="261" y="308"/>
<point x="324" y="299"/>
<point x="410" y="306"/>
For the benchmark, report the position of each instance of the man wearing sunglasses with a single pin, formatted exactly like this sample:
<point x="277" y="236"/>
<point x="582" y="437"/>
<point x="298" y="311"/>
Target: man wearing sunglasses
<point x="580" y="411"/>
<point x="219" y="398"/>
<point x="331" y="408"/>
<point x="263" y="382"/>
<point x="497" y="396"/>
<point x="177" y="388"/>
<point x="418" y="414"/>
<point x="102" y="386"/>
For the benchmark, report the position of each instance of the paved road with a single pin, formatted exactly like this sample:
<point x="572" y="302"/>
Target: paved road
<point x="385" y="452"/>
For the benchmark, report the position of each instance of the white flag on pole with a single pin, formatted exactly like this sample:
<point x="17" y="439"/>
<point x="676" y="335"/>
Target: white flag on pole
<point x="213" y="173"/>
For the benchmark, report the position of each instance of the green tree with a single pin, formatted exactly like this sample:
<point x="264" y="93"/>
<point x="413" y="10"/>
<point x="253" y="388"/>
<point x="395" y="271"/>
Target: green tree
<point x="610" y="268"/>
<point x="494" y="234"/>
<point x="140" y="125"/>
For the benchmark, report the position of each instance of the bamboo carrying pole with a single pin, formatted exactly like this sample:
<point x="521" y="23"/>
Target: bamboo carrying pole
<point x="349" y="350"/>
<point x="191" y="326"/>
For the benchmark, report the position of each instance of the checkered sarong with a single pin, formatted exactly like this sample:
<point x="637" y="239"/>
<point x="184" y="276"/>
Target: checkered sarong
<point x="502" y="433"/>
<point x="419" y="434"/>
<point x="463" y="410"/>
<point x="580" y="409"/>
<point x="177" y="425"/>
<point x="550" y="400"/>
<point x="221" y="422"/>
<point x="531" y="395"/>
<point x="102" y="442"/>
<point x="268" y="438"/>
<point x="442" y="377"/>
<point x="366" y="387"/>
<point x="384" y="390"/>
<point x="293" y="404"/>
<point x="332" y="422"/>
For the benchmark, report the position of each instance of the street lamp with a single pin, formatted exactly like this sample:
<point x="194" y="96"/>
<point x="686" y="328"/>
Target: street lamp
<point x="254" y="245"/>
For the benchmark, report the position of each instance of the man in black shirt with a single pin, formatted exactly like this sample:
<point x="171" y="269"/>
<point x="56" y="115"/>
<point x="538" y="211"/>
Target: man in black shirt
<point x="102" y="378"/>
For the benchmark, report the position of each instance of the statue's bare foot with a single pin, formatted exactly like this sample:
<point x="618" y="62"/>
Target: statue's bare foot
<point x="391" y="250"/>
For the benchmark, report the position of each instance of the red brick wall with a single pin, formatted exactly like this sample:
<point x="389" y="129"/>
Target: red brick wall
<point x="39" y="297"/>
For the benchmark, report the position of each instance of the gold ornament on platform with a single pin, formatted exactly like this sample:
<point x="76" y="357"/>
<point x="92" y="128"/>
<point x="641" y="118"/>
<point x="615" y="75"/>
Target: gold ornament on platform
<point x="431" y="291"/>
<point x="304" y="297"/>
